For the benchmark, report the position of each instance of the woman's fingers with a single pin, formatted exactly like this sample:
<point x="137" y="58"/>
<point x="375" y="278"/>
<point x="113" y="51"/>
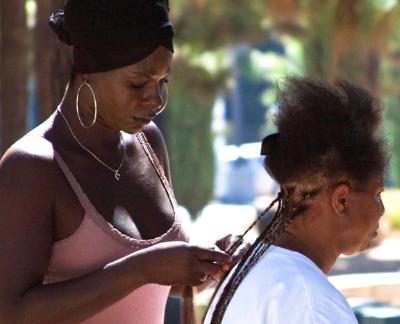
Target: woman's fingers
<point x="209" y="268"/>
<point x="240" y="252"/>
<point x="211" y="263"/>
<point x="229" y="243"/>
<point x="234" y="245"/>
<point x="212" y="255"/>
<point x="223" y="243"/>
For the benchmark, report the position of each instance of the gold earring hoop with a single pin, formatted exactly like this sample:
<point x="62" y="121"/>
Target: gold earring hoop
<point x="164" y="98"/>
<point x="85" y="83"/>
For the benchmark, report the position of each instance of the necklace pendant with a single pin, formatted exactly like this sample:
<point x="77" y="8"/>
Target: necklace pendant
<point x="117" y="175"/>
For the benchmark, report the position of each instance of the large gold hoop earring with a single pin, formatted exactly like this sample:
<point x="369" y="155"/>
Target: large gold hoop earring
<point x="164" y="98"/>
<point x="85" y="83"/>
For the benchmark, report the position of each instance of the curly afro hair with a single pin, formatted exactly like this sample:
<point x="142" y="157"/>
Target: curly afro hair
<point x="328" y="131"/>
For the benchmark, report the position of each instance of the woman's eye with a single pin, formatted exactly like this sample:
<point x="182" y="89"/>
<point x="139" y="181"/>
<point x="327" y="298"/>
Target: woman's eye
<point x="164" y="81"/>
<point x="137" y="85"/>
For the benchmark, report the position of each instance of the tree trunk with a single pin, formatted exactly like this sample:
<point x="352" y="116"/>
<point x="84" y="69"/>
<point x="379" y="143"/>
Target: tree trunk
<point x="13" y="74"/>
<point x="53" y="61"/>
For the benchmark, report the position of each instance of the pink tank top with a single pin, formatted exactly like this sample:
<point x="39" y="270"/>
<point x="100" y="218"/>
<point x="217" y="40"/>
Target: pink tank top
<point x="96" y="243"/>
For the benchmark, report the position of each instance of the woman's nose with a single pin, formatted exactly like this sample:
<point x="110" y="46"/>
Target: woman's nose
<point x="382" y="207"/>
<point x="156" y="104"/>
<point x="156" y="99"/>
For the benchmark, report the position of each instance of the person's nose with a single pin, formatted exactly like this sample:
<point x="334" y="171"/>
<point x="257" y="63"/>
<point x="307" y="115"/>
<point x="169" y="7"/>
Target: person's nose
<point x="382" y="207"/>
<point x="155" y="98"/>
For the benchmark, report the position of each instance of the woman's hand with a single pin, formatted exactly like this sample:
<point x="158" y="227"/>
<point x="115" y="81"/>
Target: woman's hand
<point x="224" y="244"/>
<point x="178" y="263"/>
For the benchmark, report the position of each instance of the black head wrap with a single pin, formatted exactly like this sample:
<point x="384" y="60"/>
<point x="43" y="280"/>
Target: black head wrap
<point x="270" y="149"/>
<point x="268" y="144"/>
<point x="108" y="34"/>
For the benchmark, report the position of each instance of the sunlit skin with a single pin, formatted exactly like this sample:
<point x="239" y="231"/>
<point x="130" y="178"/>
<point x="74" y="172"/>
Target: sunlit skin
<point x="339" y="220"/>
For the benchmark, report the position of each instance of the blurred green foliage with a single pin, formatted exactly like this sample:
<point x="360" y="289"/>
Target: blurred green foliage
<point x="205" y="31"/>
<point x="189" y="136"/>
<point x="357" y="40"/>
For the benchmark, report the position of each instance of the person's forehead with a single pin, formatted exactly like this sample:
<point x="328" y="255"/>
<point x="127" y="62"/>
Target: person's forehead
<point x="375" y="183"/>
<point x="158" y="63"/>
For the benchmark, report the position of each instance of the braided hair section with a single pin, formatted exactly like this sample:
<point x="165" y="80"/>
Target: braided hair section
<point x="284" y="215"/>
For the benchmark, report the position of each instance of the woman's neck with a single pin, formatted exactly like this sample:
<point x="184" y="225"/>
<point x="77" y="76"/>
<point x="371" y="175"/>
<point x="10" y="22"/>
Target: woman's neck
<point x="98" y="137"/>
<point x="323" y="256"/>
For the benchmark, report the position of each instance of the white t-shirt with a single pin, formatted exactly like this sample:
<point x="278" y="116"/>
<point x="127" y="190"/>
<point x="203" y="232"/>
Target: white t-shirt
<point x="285" y="287"/>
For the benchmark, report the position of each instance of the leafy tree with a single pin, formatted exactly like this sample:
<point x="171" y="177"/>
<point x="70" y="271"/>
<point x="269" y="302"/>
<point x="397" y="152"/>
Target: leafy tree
<point x="204" y="27"/>
<point x="189" y="136"/>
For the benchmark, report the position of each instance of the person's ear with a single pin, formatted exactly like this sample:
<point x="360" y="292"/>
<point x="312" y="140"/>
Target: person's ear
<point x="77" y="78"/>
<point x="340" y="198"/>
<point x="84" y="77"/>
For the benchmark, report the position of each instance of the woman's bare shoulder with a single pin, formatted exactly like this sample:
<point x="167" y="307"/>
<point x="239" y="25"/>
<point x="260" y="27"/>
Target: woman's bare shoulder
<point x="156" y="140"/>
<point x="29" y="158"/>
<point x="153" y="133"/>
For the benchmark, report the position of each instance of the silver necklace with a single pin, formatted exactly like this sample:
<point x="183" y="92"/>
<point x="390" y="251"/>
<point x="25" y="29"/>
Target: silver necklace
<point x="117" y="174"/>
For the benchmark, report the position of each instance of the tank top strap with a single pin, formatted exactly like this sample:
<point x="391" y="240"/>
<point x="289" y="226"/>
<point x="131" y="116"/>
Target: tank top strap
<point x="158" y="167"/>
<point x="77" y="189"/>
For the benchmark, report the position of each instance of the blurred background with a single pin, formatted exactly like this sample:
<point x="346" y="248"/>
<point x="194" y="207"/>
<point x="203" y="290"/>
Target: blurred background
<point x="230" y="56"/>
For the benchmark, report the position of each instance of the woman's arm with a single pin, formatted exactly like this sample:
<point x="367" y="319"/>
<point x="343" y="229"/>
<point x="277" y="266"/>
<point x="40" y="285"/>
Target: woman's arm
<point x="27" y="198"/>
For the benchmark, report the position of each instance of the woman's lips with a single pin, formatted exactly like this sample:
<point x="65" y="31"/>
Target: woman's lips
<point x="376" y="231"/>
<point x="141" y="120"/>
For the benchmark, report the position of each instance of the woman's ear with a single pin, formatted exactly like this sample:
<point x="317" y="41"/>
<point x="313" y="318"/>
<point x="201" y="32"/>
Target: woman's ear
<point x="340" y="198"/>
<point x="84" y="77"/>
<point x="77" y="78"/>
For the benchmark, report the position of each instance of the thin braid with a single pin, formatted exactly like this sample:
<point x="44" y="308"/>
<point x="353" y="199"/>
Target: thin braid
<point x="235" y="245"/>
<point x="282" y="219"/>
<point x="231" y="249"/>
<point x="250" y="258"/>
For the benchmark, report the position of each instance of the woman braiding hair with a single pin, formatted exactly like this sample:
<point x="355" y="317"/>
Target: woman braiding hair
<point x="90" y="231"/>
<point x="329" y="161"/>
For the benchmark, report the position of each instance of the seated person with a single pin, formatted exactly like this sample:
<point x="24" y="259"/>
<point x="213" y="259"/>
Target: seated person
<point x="329" y="161"/>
